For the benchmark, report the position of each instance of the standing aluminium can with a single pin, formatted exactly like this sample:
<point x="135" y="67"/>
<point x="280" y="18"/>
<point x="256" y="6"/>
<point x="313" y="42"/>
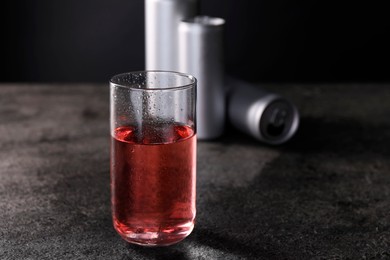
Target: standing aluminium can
<point x="201" y="55"/>
<point x="162" y="18"/>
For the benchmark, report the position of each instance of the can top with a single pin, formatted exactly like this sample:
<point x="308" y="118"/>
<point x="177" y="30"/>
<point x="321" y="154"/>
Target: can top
<point x="205" y="21"/>
<point x="278" y="122"/>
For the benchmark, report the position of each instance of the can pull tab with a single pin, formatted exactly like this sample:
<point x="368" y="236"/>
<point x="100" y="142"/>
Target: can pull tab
<point x="277" y="122"/>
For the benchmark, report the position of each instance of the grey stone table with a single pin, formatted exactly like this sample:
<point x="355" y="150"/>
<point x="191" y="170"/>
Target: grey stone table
<point x="323" y="195"/>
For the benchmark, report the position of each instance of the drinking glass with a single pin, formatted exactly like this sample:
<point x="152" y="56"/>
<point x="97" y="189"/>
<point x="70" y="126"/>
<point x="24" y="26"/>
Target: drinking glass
<point x="153" y="156"/>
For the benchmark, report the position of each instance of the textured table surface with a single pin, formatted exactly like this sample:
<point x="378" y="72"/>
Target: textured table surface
<point x="323" y="195"/>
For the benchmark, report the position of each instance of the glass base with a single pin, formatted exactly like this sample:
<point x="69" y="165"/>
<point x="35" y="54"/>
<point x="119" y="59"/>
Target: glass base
<point x="153" y="237"/>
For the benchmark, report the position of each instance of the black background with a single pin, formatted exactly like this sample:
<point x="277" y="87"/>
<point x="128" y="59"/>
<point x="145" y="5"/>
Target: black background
<point x="266" y="41"/>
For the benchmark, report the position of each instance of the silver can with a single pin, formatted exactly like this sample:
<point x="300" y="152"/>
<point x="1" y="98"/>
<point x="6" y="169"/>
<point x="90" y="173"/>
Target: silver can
<point x="201" y="55"/>
<point x="162" y="18"/>
<point x="268" y="117"/>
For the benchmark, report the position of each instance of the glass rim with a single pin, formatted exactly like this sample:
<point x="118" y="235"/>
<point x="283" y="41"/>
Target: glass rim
<point x="179" y="87"/>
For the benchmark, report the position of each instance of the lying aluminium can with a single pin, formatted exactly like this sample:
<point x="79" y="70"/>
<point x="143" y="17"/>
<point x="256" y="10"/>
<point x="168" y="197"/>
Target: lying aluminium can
<point x="266" y="116"/>
<point x="201" y="55"/>
<point x="162" y="19"/>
